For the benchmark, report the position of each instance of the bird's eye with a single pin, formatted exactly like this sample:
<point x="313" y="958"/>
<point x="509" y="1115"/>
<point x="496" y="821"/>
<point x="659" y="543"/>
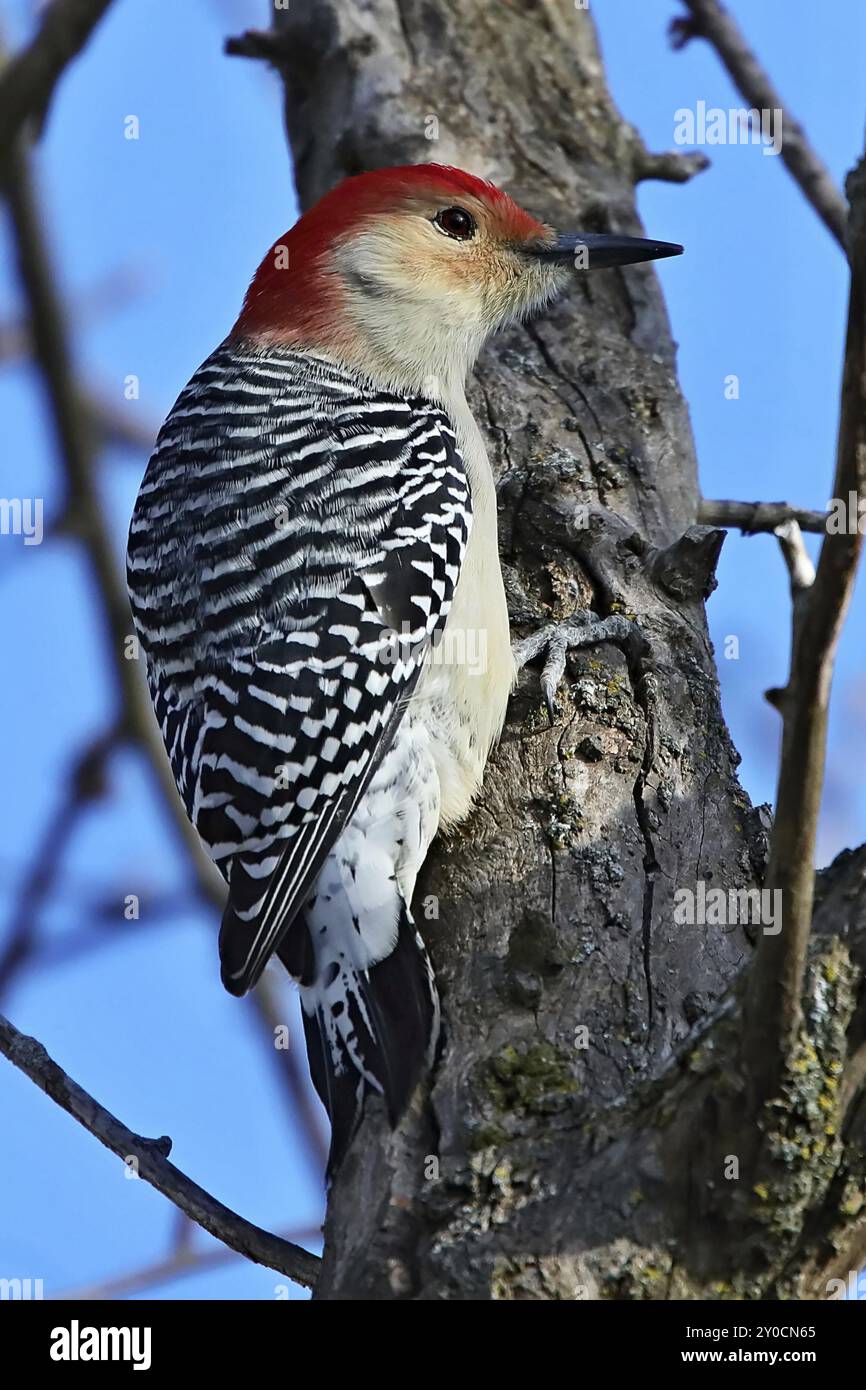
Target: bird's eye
<point x="455" y="222"/>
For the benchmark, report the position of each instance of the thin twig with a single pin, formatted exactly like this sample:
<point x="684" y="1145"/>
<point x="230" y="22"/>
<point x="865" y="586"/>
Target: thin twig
<point x="117" y="426"/>
<point x="29" y="78"/>
<point x="112" y="291"/>
<point x="709" y="20"/>
<point x="801" y="571"/>
<point x="773" y="1009"/>
<point x="151" y="1160"/>
<point x="113" y="423"/>
<point x="180" y="1263"/>
<point x="265" y="999"/>
<point x="86" y="784"/>
<point x="750" y="517"/>
<point x="266" y="45"/>
<point x="55" y="950"/>
<point x="84" y="517"/>
<point x="669" y="166"/>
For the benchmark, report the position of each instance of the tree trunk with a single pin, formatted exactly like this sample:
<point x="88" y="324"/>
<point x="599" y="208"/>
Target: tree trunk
<point x="589" y="1131"/>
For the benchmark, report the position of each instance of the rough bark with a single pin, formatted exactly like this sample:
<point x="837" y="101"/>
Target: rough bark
<point x="549" y="1162"/>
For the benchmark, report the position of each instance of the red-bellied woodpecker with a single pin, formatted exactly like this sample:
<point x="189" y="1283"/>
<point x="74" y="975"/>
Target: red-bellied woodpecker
<point x="316" y="527"/>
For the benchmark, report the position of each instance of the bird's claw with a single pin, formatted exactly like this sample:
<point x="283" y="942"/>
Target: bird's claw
<point x="582" y="629"/>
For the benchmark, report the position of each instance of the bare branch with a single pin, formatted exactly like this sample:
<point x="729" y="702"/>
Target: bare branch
<point x="751" y="517"/>
<point x="152" y="1163"/>
<point x="709" y="20"/>
<point x="29" y="79"/>
<point x="773" y="1014"/>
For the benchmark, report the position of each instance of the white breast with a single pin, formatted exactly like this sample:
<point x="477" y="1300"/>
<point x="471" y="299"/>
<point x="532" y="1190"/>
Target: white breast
<point x="469" y="675"/>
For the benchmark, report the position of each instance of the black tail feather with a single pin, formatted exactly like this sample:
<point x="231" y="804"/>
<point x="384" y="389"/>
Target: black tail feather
<point x="393" y="1011"/>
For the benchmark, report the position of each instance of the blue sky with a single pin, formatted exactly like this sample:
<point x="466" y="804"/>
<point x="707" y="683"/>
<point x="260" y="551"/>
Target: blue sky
<point x="182" y="215"/>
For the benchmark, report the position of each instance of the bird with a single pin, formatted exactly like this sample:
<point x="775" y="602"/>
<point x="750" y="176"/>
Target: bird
<point x="315" y="532"/>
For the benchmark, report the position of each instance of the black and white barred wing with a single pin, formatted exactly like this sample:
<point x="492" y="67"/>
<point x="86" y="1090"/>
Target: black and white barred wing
<point x="294" y="549"/>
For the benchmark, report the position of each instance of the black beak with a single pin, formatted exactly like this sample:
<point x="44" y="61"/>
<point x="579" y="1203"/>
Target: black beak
<point x="596" y="250"/>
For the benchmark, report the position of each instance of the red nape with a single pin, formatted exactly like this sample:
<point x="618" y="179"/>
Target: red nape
<point x="293" y="295"/>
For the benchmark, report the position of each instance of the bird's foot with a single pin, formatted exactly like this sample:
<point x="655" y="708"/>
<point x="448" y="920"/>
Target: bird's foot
<point x="583" y="629"/>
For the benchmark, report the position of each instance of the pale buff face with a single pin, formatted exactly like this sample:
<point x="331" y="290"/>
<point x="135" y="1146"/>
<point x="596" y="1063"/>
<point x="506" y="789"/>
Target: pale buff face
<point x="379" y="275"/>
<point x="447" y="293"/>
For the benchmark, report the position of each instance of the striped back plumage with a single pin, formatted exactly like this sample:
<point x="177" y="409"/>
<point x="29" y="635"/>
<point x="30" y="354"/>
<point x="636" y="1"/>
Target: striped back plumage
<point x="292" y="519"/>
